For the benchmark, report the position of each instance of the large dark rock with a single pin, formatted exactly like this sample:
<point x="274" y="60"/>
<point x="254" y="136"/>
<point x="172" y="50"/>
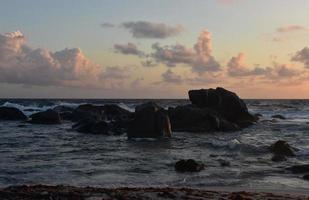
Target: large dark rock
<point x="61" y="109"/>
<point x="45" y="117"/>
<point x="299" y="169"/>
<point x="106" y="112"/>
<point x="11" y="113"/>
<point x="150" y="121"/>
<point x="282" y="148"/>
<point x="194" y="119"/>
<point x="225" y="102"/>
<point x="189" y="165"/>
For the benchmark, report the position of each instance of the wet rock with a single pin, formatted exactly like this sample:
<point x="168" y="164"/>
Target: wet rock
<point x="224" y="163"/>
<point x="278" y="158"/>
<point x="225" y="102"/>
<point x="306" y="177"/>
<point x="106" y="112"/>
<point x="299" y="169"/>
<point x="194" y="119"/>
<point x="61" y="109"/>
<point x="150" y="121"/>
<point x="45" y="117"/>
<point x="278" y="117"/>
<point x="11" y="113"/>
<point x="282" y="148"/>
<point x="189" y="165"/>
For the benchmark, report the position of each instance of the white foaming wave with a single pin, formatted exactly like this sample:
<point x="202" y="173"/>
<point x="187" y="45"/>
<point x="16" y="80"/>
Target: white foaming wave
<point x="128" y="107"/>
<point x="27" y="110"/>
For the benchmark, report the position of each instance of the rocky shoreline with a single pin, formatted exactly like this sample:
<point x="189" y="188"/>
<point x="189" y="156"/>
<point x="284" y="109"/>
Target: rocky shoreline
<point x="43" y="192"/>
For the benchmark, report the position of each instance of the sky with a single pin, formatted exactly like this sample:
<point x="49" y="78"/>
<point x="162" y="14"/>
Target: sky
<point x="154" y="48"/>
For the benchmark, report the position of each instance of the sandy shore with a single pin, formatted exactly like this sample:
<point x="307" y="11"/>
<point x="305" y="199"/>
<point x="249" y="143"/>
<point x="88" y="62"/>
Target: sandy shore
<point x="90" y="193"/>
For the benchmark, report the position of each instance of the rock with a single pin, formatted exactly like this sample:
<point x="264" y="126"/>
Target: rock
<point x="189" y="165"/>
<point x="45" y="117"/>
<point x="306" y="177"/>
<point x="101" y="127"/>
<point x="194" y="119"/>
<point x="278" y="117"/>
<point x="106" y="112"/>
<point x="225" y="102"/>
<point x="11" y="113"/>
<point x="91" y="126"/>
<point x="150" y="121"/>
<point x="224" y="163"/>
<point x="278" y="158"/>
<point x="282" y="148"/>
<point x="61" y="109"/>
<point x="298" y="169"/>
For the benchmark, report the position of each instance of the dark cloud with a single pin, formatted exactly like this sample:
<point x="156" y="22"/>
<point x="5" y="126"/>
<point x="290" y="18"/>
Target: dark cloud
<point x="128" y="49"/>
<point x="144" y="29"/>
<point x="302" y="56"/>
<point x="199" y="58"/>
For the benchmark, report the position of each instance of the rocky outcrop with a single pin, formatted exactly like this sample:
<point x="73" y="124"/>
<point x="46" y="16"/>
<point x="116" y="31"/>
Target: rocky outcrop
<point x="45" y="117"/>
<point x="189" y="165"/>
<point x="194" y="119"/>
<point x="99" y="127"/>
<point x="150" y="121"/>
<point x="105" y="112"/>
<point x="11" y="113"/>
<point x="211" y="110"/>
<point x="225" y="102"/>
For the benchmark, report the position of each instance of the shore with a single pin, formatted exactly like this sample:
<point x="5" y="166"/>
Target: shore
<point x="38" y="192"/>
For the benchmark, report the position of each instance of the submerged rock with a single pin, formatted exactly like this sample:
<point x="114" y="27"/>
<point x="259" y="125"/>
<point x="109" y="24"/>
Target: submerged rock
<point x="45" y="117"/>
<point x="299" y="169"/>
<point x="150" y="121"/>
<point x="282" y="148"/>
<point x="11" y="113"/>
<point x="278" y="117"/>
<point x="189" y="165"/>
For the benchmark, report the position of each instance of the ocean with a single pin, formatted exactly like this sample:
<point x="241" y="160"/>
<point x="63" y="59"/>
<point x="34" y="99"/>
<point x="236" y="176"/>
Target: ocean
<point x="55" y="154"/>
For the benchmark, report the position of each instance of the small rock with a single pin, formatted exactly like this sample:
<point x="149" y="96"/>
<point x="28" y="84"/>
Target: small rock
<point x="189" y="165"/>
<point x="306" y="177"/>
<point x="282" y="148"/>
<point x="278" y="116"/>
<point x="224" y="163"/>
<point x="278" y="158"/>
<point x="298" y="169"/>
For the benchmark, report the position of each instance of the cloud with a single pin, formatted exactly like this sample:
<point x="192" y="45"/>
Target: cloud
<point x="170" y="77"/>
<point x="116" y="73"/>
<point x="199" y="58"/>
<point x="144" y="29"/>
<point x="278" y="72"/>
<point x="107" y="25"/>
<point x="302" y="56"/>
<point x="21" y="64"/>
<point x="285" y="33"/>
<point x="128" y="49"/>
<point x="236" y="67"/>
<point x="291" y="28"/>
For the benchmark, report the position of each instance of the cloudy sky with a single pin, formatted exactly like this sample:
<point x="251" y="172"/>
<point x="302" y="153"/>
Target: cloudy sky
<point x="153" y="49"/>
